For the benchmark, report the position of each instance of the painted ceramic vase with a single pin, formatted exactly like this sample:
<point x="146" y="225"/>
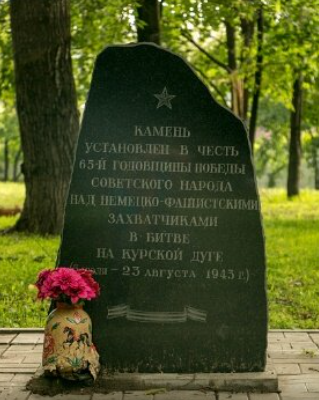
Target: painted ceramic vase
<point x="68" y="350"/>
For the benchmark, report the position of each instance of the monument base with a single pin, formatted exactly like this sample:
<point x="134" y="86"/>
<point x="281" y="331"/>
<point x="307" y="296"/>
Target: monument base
<point x="266" y="382"/>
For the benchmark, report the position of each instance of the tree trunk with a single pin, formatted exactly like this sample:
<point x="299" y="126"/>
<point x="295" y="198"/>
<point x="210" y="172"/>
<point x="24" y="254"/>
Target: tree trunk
<point x="316" y="176"/>
<point x="16" y="171"/>
<point x="247" y="29"/>
<point x="231" y="54"/>
<point x="148" y="29"/>
<point x="295" y="139"/>
<point x="315" y="165"/>
<point x="6" y="160"/>
<point x="258" y="78"/>
<point x="271" y="180"/>
<point x="46" y="103"/>
<point x="236" y="82"/>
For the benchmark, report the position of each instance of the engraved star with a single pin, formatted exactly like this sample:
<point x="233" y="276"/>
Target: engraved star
<point x="164" y="99"/>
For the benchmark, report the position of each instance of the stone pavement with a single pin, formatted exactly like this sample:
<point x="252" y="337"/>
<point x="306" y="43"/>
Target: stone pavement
<point x="293" y="354"/>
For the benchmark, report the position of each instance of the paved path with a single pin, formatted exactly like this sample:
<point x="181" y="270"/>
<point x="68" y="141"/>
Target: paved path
<point x="294" y="355"/>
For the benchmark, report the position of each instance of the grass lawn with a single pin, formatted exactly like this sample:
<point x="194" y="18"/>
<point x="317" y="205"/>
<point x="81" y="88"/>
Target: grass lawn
<point x="292" y="243"/>
<point x="292" y="248"/>
<point x="11" y="195"/>
<point x="21" y="258"/>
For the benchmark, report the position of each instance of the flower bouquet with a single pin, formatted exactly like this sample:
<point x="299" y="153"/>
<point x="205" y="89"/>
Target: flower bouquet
<point x="68" y="350"/>
<point x="67" y="285"/>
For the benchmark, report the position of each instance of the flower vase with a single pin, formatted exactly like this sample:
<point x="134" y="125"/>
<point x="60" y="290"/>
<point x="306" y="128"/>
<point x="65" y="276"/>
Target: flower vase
<point x="68" y="350"/>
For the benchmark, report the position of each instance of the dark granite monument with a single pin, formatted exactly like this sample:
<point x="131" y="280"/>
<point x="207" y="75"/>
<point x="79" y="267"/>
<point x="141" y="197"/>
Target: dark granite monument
<point x="163" y="206"/>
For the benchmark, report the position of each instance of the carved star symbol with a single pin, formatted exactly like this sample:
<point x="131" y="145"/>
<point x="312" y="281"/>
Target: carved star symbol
<point x="164" y="99"/>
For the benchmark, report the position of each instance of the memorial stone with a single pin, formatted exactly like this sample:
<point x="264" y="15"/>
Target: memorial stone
<point x="163" y="206"/>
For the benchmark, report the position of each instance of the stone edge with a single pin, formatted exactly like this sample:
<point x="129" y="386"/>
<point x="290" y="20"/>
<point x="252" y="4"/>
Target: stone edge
<point x="266" y="382"/>
<point x="40" y="330"/>
<point x="237" y="382"/>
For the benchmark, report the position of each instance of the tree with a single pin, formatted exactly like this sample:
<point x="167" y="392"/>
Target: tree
<point x="245" y="52"/>
<point x="9" y="145"/>
<point x="295" y="139"/>
<point x="9" y="136"/>
<point x="311" y="151"/>
<point x="229" y="44"/>
<point x="6" y="61"/>
<point x="95" y="25"/>
<point x="272" y="141"/>
<point x="46" y="104"/>
<point x="311" y="127"/>
<point x="295" y="40"/>
<point x="258" y="78"/>
<point x="148" y="24"/>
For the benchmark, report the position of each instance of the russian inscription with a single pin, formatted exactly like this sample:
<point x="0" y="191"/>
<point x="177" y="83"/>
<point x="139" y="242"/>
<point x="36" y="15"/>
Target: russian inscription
<point x="163" y="206"/>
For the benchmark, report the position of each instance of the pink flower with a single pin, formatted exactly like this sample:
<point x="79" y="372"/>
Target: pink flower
<point x="92" y="286"/>
<point x="67" y="284"/>
<point x="40" y="283"/>
<point x="42" y="277"/>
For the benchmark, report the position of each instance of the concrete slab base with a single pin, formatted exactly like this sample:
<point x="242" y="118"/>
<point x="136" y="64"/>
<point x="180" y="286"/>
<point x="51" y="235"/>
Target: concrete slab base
<point x="227" y="382"/>
<point x="265" y="382"/>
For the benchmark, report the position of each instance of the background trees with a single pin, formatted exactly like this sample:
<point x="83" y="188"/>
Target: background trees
<point x="47" y="111"/>
<point x="296" y="40"/>
<point x="311" y="129"/>
<point x="259" y="58"/>
<point x="252" y="50"/>
<point x="10" y="148"/>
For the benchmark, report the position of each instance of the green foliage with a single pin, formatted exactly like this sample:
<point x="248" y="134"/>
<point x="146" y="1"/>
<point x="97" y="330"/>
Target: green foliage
<point x="6" y="58"/>
<point x="9" y="130"/>
<point x="203" y="23"/>
<point x="291" y="46"/>
<point x="291" y="42"/>
<point x="94" y="26"/>
<point x="292" y="236"/>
